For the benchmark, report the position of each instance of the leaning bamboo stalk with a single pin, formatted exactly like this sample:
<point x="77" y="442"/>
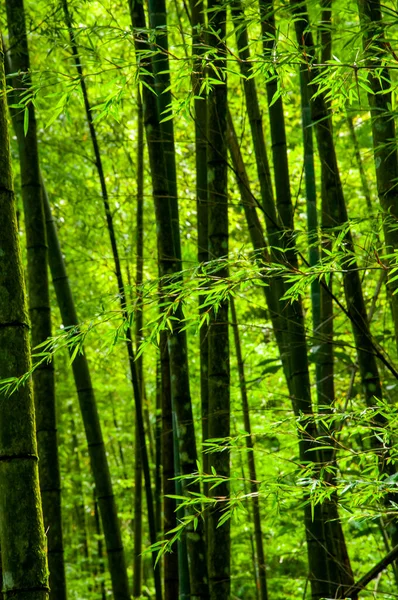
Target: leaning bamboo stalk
<point x="122" y="295"/>
<point x="314" y="525"/>
<point x="90" y="416"/>
<point x="367" y="350"/>
<point x="273" y="228"/>
<point x="322" y="308"/>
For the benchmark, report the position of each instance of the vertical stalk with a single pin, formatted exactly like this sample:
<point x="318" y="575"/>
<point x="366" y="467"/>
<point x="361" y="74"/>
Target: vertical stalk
<point x="274" y="230"/>
<point x="158" y="462"/>
<point x="276" y="118"/>
<point x="22" y="536"/>
<point x="200" y="108"/>
<point x="218" y="338"/>
<point x="377" y="48"/>
<point x="137" y="566"/>
<point x="174" y="570"/>
<point x="258" y="535"/>
<point x="312" y="217"/>
<point x="169" y="252"/>
<point x="334" y="199"/>
<point x="39" y="299"/>
<point x="122" y="295"/>
<point x="314" y="525"/>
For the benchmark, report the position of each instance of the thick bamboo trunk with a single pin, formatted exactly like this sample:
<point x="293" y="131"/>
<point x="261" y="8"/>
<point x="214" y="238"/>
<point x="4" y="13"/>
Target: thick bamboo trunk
<point x="276" y="119"/>
<point x="170" y="264"/>
<point x="322" y="308"/>
<point x="22" y="536"/>
<point x="161" y="71"/>
<point x="39" y="300"/>
<point x="218" y="334"/>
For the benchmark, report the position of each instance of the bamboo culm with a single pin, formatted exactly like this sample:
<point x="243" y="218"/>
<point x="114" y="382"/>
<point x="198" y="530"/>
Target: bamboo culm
<point x="39" y="297"/>
<point x="258" y="535"/>
<point x="169" y="253"/>
<point x="25" y="571"/>
<point x="122" y="296"/>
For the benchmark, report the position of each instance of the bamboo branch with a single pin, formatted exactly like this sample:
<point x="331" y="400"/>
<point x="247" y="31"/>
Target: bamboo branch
<point x="353" y="591"/>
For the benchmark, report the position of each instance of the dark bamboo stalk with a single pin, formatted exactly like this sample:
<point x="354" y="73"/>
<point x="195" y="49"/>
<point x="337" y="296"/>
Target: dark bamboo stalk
<point x="255" y="228"/>
<point x="367" y="350"/>
<point x="171" y="563"/>
<point x="258" y="535"/>
<point x="322" y="305"/>
<point x="158" y="463"/>
<point x="200" y="107"/>
<point x="137" y="567"/>
<point x="313" y="523"/>
<point x="89" y="411"/>
<point x="169" y="252"/>
<point x="376" y="48"/>
<point x="277" y="120"/>
<point x="312" y="215"/>
<point x="122" y="295"/>
<point x="21" y="517"/>
<point x="273" y="227"/>
<point x="218" y="536"/>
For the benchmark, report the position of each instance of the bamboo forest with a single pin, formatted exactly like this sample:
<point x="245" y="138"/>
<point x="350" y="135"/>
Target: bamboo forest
<point x="198" y="299"/>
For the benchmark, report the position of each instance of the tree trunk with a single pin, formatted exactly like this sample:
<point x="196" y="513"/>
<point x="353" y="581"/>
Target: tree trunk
<point x="367" y="350"/>
<point x="200" y="107"/>
<point x="122" y="295"/>
<point x="376" y="47"/>
<point x="89" y="411"/>
<point x="172" y="572"/>
<point x="39" y="300"/>
<point x="277" y="121"/>
<point x="22" y="536"/>
<point x="250" y="459"/>
<point x="273" y="228"/>
<point x="170" y="264"/>
<point x="139" y="322"/>
<point x="218" y="541"/>
<point x="313" y="523"/>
